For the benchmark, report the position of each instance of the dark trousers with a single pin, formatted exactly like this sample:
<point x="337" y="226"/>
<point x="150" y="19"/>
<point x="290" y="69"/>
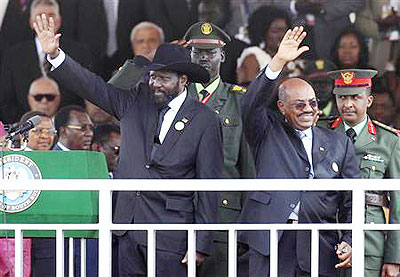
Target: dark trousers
<point x="44" y="257"/>
<point x="132" y="259"/>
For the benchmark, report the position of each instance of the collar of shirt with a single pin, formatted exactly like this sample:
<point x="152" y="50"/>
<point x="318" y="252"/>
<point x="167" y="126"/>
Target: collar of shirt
<point x="39" y="50"/>
<point x="62" y="146"/>
<point x="359" y="127"/>
<point x="175" y="104"/>
<point x="210" y="88"/>
<point x="28" y="149"/>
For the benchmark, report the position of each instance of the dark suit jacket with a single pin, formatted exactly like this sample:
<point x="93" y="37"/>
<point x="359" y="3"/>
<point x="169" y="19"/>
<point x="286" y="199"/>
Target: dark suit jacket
<point x="279" y="153"/>
<point x="194" y="152"/>
<point x="20" y="67"/>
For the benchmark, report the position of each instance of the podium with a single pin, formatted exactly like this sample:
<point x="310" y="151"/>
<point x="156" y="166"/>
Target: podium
<point x="61" y="207"/>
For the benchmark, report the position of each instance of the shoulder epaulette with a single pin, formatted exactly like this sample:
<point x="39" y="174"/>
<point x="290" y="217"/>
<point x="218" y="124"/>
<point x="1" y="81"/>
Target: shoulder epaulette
<point x="388" y="128"/>
<point x="238" y="89"/>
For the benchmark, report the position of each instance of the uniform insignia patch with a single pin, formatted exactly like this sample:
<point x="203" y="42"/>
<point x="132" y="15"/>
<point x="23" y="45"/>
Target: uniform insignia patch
<point x="206" y="28"/>
<point x="236" y="88"/>
<point x="373" y="158"/>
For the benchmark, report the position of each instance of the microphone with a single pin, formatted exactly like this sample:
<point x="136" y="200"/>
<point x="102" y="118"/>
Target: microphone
<point x="29" y="124"/>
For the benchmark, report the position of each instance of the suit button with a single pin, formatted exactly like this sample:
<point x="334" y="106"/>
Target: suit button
<point x="225" y="202"/>
<point x="138" y="193"/>
<point x="307" y="168"/>
<point x="292" y="206"/>
<point x="147" y="166"/>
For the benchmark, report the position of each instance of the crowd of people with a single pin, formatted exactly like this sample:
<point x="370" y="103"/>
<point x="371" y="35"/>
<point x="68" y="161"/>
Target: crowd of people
<point x="301" y="89"/>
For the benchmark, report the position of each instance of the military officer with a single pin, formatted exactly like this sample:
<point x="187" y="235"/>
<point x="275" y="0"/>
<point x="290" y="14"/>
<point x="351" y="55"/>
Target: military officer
<point x="206" y="41"/>
<point x="378" y="152"/>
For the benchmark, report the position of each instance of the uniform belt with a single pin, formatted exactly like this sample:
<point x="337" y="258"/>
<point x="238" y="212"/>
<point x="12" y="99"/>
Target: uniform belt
<point x="376" y="200"/>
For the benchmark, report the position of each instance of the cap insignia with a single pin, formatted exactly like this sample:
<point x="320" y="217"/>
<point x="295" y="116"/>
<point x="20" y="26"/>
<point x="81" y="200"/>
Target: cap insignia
<point x="206" y="28"/>
<point x="348" y="77"/>
<point x="320" y="64"/>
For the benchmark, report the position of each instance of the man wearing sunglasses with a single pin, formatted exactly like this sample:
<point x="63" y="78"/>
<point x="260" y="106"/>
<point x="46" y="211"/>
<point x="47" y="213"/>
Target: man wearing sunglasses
<point x="44" y="96"/>
<point x="287" y="145"/>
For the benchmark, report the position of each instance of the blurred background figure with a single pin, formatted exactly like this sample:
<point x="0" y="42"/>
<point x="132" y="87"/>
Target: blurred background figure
<point x="316" y="73"/>
<point x="44" y="96"/>
<point x="41" y="137"/>
<point x="267" y="26"/>
<point x="107" y="139"/>
<point x="97" y="115"/>
<point x="217" y="12"/>
<point x="104" y="26"/>
<point x="350" y="50"/>
<point x="25" y="62"/>
<point x="145" y="38"/>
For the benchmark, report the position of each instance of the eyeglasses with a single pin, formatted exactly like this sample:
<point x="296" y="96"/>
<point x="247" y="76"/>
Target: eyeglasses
<point x="45" y="131"/>
<point x="39" y="97"/>
<point x="300" y="105"/>
<point x="81" y="128"/>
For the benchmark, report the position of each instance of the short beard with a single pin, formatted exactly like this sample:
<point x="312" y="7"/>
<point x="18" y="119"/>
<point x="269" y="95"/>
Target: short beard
<point x="162" y="101"/>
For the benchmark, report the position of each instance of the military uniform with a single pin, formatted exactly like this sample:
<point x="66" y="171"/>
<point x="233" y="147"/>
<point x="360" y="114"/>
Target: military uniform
<point x="225" y="100"/>
<point x="377" y="149"/>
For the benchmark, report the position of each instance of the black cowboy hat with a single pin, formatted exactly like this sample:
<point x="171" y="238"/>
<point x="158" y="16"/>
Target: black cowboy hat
<point x="175" y="58"/>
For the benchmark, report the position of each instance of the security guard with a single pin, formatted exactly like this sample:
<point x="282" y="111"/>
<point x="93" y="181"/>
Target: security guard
<point x="377" y="148"/>
<point x="207" y="43"/>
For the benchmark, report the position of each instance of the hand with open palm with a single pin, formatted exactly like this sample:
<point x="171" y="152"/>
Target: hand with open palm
<point x="44" y="29"/>
<point x="289" y="48"/>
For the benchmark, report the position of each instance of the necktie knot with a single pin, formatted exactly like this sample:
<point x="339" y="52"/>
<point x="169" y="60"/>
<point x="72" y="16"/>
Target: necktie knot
<point x="351" y="133"/>
<point x="301" y="134"/>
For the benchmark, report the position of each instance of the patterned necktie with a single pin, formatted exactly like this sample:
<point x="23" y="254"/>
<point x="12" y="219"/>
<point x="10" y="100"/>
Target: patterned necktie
<point x="351" y="134"/>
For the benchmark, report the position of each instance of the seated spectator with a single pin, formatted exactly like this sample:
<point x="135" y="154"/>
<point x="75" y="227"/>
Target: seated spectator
<point x="25" y="62"/>
<point x="43" y="135"/>
<point x="145" y="38"/>
<point x="316" y="73"/>
<point x="267" y="26"/>
<point x="44" y="96"/>
<point x="350" y="50"/>
<point x="74" y="129"/>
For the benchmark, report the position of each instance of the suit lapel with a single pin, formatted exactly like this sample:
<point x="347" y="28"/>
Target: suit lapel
<point x="319" y="146"/>
<point x="185" y="116"/>
<point x="298" y="144"/>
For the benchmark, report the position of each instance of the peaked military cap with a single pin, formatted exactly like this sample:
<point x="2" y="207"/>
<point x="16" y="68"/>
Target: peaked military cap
<point x="352" y="81"/>
<point x="206" y="35"/>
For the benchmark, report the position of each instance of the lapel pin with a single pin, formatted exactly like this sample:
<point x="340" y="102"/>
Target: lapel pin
<point x="179" y="126"/>
<point x="335" y="167"/>
<point x="185" y="120"/>
<point x="321" y="148"/>
<point x="227" y="120"/>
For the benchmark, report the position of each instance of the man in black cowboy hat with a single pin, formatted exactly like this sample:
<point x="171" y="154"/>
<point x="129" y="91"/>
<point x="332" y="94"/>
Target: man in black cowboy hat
<point x="165" y="134"/>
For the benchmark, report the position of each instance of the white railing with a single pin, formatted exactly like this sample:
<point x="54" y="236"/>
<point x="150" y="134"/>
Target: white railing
<point x="105" y="187"/>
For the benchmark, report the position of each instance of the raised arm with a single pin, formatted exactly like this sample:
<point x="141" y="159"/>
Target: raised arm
<point x="255" y="114"/>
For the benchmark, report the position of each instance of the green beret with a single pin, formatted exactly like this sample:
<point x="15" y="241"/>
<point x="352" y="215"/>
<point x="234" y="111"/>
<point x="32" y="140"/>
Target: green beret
<point x="206" y="35"/>
<point x="352" y="81"/>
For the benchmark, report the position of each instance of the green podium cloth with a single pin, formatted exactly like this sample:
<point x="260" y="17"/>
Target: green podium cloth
<point x="64" y="207"/>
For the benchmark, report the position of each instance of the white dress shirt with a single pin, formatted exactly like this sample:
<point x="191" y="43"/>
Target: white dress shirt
<point x="174" y="105"/>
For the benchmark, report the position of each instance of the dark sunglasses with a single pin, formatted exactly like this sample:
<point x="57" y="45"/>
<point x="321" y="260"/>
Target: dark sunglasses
<point x="39" y="97"/>
<point x="300" y="105"/>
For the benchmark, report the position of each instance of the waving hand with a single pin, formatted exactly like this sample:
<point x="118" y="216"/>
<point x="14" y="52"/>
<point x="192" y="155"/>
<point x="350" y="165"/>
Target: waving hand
<point x="45" y="32"/>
